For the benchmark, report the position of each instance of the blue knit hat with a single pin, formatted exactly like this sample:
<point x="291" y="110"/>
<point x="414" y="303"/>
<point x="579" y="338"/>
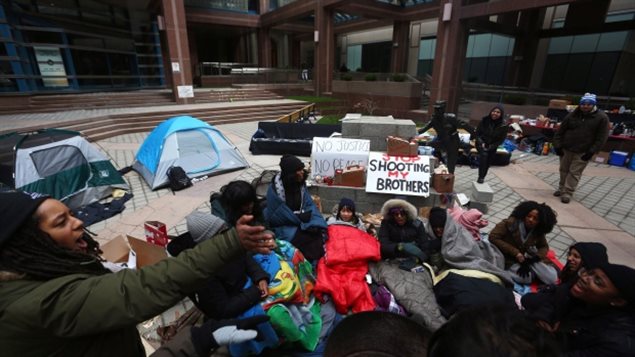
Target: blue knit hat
<point x="589" y="98"/>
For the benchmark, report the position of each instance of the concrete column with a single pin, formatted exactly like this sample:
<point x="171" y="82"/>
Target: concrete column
<point x="263" y="6"/>
<point x="447" y="74"/>
<point x="295" y="53"/>
<point x="525" y="48"/>
<point x="400" y="45"/>
<point x="324" y="56"/>
<point x="179" y="67"/>
<point x="264" y="48"/>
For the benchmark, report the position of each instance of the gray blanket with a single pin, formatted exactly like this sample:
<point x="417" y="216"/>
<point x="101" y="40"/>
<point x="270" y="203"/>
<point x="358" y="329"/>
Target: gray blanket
<point x="461" y="251"/>
<point x="412" y="290"/>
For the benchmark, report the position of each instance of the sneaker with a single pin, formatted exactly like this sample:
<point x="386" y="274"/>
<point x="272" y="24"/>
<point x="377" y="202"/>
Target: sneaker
<point x="557" y="193"/>
<point x="565" y="199"/>
<point x="480" y="180"/>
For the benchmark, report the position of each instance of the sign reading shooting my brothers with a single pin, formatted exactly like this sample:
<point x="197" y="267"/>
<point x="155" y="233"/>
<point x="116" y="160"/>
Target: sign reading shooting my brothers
<point x="401" y="175"/>
<point x="330" y="154"/>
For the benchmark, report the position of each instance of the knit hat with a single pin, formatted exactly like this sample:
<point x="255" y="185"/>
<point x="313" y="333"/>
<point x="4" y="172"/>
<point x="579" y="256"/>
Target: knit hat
<point x="437" y="217"/>
<point x="203" y="225"/>
<point x="346" y="202"/>
<point x="623" y="278"/>
<point x="589" y="98"/>
<point x="16" y="207"/>
<point x="289" y="164"/>
<point x="593" y="254"/>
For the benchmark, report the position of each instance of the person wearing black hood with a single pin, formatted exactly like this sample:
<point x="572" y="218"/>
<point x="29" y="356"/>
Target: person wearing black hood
<point x="291" y="212"/>
<point x="490" y="133"/>
<point x="447" y="127"/>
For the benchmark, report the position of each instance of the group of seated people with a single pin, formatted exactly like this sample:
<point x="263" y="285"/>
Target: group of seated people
<point x="273" y="273"/>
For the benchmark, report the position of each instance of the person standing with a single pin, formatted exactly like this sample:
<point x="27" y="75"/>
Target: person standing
<point x="582" y="133"/>
<point x="490" y="133"/>
<point x="447" y="127"/>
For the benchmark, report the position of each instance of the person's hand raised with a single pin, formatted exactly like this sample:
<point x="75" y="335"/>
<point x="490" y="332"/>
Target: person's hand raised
<point x="254" y="238"/>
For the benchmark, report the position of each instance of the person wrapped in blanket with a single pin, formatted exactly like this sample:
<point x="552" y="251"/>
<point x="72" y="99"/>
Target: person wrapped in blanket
<point x="57" y="298"/>
<point x="345" y="213"/>
<point x="291" y="213"/>
<point x="521" y="239"/>
<point x="402" y="235"/>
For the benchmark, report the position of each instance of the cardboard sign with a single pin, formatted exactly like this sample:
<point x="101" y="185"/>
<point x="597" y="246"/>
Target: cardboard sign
<point x="330" y="154"/>
<point x="400" y="175"/>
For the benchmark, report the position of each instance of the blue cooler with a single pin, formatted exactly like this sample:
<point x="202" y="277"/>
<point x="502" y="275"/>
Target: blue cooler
<point x="617" y="158"/>
<point x="631" y="164"/>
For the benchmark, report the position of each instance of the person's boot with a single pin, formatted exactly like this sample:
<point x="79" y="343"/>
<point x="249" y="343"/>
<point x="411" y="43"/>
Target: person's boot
<point x="558" y="193"/>
<point x="480" y="180"/>
<point x="565" y="199"/>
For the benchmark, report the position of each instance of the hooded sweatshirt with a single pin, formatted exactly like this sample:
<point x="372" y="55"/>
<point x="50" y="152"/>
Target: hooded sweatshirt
<point x="492" y="132"/>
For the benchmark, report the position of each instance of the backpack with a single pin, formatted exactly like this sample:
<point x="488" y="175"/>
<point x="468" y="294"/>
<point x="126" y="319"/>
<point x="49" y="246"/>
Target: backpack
<point x="178" y="178"/>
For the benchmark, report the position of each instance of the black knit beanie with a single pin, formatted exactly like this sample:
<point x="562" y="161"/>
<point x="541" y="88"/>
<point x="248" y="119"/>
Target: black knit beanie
<point x="346" y="202"/>
<point x="16" y="207"/>
<point x="593" y="254"/>
<point x="289" y="164"/>
<point x="623" y="278"/>
<point x="437" y="217"/>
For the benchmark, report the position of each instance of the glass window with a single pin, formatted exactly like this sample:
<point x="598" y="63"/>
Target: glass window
<point x="426" y="49"/>
<point x="354" y="57"/>
<point x="557" y="24"/>
<point x="577" y="72"/>
<point x="501" y="46"/>
<point x="65" y="8"/>
<point x="470" y="47"/>
<point x="619" y="17"/>
<point x="560" y="45"/>
<point x="482" y="44"/>
<point x="612" y="41"/>
<point x="585" y="43"/>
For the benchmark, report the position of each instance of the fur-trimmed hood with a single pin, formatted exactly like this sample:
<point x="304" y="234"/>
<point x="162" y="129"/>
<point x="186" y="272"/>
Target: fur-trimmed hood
<point x="411" y="211"/>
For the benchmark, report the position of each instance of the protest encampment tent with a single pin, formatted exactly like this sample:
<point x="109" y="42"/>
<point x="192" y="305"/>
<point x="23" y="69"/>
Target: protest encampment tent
<point x="199" y="148"/>
<point x="59" y="163"/>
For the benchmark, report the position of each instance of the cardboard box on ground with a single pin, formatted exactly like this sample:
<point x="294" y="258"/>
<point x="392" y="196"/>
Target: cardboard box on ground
<point x="601" y="157"/>
<point x="133" y="252"/>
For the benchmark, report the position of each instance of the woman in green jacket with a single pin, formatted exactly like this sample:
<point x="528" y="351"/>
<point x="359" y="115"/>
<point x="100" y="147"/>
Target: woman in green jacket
<point x="57" y="299"/>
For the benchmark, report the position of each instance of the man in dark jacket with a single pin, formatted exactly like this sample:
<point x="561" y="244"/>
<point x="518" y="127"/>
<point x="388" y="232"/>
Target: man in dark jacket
<point x="447" y="127"/>
<point x="582" y="133"/>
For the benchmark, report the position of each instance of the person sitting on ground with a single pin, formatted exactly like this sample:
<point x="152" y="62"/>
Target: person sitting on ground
<point x="291" y="212"/>
<point x="376" y="333"/>
<point x="402" y="234"/>
<point x="58" y="299"/>
<point x="236" y="199"/>
<point x="224" y="295"/>
<point x="491" y="330"/>
<point x="582" y="254"/>
<point x="521" y="239"/>
<point x="345" y="214"/>
<point x="542" y="305"/>
<point x="490" y="133"/>
<point x="597" y="316"/>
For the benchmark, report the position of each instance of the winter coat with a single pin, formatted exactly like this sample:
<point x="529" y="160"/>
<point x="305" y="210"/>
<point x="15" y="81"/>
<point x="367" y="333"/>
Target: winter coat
<point x="225" y="295"/>
<point x="333" y="220"/>
<point x="283" y="221"/>
<point x="582" y="132"/>
<point x="585" y="330"/>
<point x="490" y="132"/>
<point x="446" y="126"/>
<point x="391" y="234"/>
<point x="87" y="315"/>
<point x="506" y="236"/>
<point x="341" y="272"/>
<point x="413" y="291"/>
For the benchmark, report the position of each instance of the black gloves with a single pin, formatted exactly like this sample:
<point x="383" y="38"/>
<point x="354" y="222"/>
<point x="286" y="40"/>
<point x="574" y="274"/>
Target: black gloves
<point x="304" y="216"/>
<point x="524" y="269"/>
<point x="559" y="151"/>
<point x="213" y="333"/>
<point x="587" y="156"/>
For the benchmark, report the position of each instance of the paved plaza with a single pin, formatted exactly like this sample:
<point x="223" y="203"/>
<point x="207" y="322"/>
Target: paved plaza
<point x="602" y="209"/>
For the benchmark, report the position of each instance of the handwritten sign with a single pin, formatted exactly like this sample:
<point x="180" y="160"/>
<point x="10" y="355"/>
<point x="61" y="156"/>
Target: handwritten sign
<point x="330" y="154"/>
<point x="401" y="175"/>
